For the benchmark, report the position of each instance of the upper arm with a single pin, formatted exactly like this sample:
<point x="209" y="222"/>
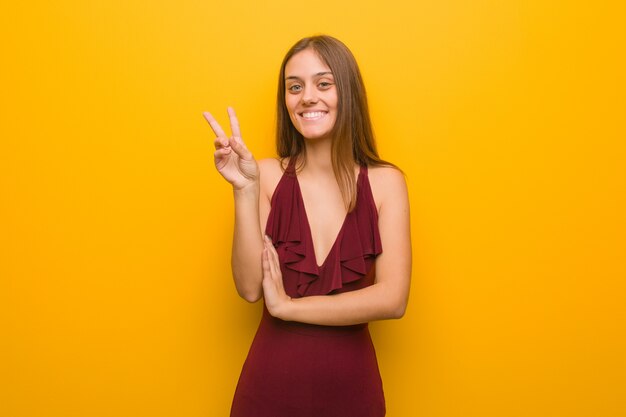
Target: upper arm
<point x="393" y="265"/>
<point x="270" y="174"/>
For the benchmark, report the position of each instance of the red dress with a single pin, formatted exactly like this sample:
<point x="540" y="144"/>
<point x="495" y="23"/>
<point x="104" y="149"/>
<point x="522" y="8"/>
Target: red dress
<point x="304" y="370"/>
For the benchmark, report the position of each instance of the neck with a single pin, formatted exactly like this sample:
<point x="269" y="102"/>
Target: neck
<point x="318" y="156"/>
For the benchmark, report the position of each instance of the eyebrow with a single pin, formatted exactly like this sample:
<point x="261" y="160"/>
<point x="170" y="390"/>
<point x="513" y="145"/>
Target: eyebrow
<point x="293" y="77"/>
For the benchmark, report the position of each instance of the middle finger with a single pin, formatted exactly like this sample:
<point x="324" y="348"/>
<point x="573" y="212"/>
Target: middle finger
<point x="234" y="123"/>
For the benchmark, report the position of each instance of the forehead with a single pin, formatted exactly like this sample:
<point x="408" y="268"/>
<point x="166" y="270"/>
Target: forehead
<point x="305" y="64"/>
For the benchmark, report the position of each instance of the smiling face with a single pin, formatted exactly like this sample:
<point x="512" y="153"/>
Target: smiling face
<point x="310" y="95"/>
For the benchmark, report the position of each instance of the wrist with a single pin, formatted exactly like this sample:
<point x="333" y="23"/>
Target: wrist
<point x="285" y="311"/>
<point x="251" y="189"/>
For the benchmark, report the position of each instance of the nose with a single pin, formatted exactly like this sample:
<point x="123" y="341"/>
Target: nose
<point x="309" y="95"/>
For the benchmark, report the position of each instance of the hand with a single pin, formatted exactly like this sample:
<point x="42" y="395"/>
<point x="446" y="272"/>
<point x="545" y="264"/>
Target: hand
<point x="276" y="299"/>
<point x="233" y="160"/>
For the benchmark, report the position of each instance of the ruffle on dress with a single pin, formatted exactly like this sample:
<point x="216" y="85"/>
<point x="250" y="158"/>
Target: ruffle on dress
<point x="350" y="258"/>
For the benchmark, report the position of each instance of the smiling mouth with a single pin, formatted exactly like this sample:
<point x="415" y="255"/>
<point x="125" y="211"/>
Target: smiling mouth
<point x="313" y="115"/>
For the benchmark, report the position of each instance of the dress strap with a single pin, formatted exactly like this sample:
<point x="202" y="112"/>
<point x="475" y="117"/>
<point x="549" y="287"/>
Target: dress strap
<point x="290" y="169"/>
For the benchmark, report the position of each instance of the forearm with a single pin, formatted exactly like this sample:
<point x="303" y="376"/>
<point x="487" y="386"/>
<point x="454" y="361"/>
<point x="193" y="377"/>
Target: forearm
<point x="247" y="244"/>
<point x="376" y="302"/>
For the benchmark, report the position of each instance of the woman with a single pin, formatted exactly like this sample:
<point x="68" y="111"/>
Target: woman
<point x="322" y="234"/>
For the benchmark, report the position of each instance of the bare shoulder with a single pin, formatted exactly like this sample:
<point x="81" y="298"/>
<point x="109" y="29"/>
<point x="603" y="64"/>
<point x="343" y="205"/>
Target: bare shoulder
<point x="385" y="174"/>
<point x="271" y="171"/>
<point x="269" y="164"/>
<point x="388" y="184"/>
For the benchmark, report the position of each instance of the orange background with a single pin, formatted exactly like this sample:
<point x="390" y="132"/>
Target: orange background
<point x="508" y="118"/>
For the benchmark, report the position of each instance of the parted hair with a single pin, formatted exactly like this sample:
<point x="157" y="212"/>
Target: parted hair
<point x="352" y="135"/>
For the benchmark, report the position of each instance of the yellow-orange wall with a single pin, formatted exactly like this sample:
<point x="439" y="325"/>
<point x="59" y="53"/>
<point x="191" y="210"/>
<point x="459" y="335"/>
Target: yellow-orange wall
<point x="508" y="118"/>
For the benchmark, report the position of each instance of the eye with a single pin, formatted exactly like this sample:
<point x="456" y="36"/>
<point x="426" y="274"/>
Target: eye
<point x="325" y="85"/>
<point x="294" y="88"/>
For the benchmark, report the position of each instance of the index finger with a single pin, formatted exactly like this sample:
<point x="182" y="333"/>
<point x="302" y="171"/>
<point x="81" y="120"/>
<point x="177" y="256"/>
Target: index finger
<point x="217" y="129"/>
<point x="234" y="123"/>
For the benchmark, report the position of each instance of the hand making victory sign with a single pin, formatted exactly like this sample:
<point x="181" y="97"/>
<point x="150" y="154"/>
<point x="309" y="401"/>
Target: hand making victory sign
<point x="236" y="164"/>
<point x="233" y="160"/>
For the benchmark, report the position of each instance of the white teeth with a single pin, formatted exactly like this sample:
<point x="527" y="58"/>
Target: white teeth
<point x="313" y="115"/>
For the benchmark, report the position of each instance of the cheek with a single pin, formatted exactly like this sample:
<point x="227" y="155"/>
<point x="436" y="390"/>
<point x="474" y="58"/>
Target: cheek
<point x="291" y="100"/>
<point x="294" y="121"/>
<point x="289" y="106"/>
<point x="292" y="114"/>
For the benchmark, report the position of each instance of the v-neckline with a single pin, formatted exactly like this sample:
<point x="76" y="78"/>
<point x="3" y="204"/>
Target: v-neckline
<point x="308" y="225"/>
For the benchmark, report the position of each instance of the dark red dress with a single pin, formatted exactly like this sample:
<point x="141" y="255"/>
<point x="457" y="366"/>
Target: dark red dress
<point x="303" y="370"/>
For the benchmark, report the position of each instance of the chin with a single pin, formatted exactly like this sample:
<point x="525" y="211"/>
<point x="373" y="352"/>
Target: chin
<point x="319" y="136"/>
<point x="315" y="134"/>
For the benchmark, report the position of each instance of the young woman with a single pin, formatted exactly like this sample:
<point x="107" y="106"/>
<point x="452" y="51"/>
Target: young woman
<point x="322" y="234"/>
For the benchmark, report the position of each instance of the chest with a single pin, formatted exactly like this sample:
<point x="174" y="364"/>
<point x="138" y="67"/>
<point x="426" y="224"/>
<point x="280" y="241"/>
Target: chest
<point x="325" y="214"/>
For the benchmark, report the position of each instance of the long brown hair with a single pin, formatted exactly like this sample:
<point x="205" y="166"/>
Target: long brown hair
<point x="352" y="135"/>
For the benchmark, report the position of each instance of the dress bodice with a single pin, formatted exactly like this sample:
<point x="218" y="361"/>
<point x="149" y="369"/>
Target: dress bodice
<point x="349" y="265"/>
